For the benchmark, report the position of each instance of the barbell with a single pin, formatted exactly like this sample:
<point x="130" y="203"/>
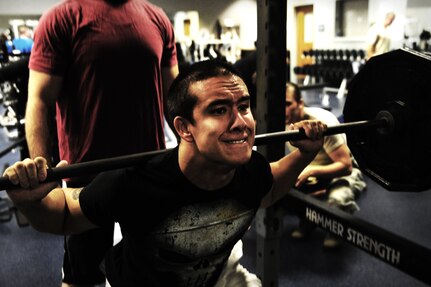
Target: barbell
<point x="385" y="136"/>
<point x="95" y="166"/>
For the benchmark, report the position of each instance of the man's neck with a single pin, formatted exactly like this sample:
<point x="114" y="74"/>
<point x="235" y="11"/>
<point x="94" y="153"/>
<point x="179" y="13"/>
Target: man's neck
<point x="202" y="173"/>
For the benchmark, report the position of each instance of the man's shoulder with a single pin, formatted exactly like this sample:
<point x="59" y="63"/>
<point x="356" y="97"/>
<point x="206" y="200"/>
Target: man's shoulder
<point x="321" y="114"/>
<point x="257" y="156"/>
<point x="61" y="10"/>
<point x="258" y="163"/>
<point x="162" y="166"/>
<point x="153" y="9"/>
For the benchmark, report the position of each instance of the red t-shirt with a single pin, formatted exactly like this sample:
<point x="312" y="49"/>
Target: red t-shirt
<point x="111" y="57"/>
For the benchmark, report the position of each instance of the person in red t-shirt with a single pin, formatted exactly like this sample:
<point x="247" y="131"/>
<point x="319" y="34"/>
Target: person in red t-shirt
<point x="105" y="66"/>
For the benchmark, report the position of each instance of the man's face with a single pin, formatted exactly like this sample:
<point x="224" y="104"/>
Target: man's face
<point x="224" y="127"/>
<point x="293" y="108"/>
<point x="389" y="19"/>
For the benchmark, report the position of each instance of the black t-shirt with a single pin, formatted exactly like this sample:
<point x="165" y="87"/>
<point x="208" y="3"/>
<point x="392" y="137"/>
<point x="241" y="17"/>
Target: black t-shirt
<point x="174" y="233"/>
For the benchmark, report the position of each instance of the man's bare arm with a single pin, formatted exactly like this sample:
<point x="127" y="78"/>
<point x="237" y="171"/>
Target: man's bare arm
<point x="43" y="90"/>
<point x="48" y="207"/>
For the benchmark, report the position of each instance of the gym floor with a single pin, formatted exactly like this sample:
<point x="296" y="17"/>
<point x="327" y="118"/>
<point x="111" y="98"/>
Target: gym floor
<point x="30" y="258"/>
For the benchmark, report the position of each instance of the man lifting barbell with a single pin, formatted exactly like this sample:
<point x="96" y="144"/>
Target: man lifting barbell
<point x="382" y="120"/>
<point x="205" y="192"/>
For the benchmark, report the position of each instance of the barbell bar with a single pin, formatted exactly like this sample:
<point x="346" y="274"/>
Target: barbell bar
<point x="96" y="166"/>
<point x="382" y="124"/>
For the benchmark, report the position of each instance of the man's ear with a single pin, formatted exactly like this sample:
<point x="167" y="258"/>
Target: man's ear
<point x="182" y="127"/>
<point x="301" y="103"/>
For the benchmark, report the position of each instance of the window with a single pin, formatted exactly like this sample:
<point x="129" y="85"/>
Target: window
<point x="351" y="18"/>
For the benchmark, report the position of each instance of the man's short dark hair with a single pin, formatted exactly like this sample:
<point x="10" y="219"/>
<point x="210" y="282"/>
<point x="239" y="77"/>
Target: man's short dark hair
<point x="297" y="92"/>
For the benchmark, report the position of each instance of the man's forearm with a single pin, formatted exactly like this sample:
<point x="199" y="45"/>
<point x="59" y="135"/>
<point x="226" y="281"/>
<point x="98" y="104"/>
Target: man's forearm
<point x="285" y="173"/>
<point x="43" y="91"/>
<point x="48" y="214"/>
<point x="38" y="131"/>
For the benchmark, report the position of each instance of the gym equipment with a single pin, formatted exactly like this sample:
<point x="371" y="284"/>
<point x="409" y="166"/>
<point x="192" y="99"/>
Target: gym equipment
<point x="388" y="119"/>
<point x="385" y="138"/>
<point x="397" y="82"/>
<point x="395" y="250"/>
<point x="91" y="167"/>
<point x="12" y="70"/>
<point x="395" y="86"/>
<point x="17" y="144"/>
<point x="13" y="92"/>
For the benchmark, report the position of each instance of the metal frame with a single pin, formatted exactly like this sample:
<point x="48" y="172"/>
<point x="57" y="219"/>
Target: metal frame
<point x="271" y="86"/>
<point x="395" y="250"/>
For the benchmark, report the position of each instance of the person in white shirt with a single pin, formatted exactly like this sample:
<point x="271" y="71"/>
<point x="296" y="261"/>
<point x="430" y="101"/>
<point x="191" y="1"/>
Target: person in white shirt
<point x="333" y="175"/>
<point x="378" y="39"/>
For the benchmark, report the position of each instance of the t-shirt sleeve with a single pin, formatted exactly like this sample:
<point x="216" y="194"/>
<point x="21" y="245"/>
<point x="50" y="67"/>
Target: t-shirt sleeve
<point x="52" y="40"/>
<point x="260" y="171"/>
<point x="372" y="34"/>
<point x="169" y="57"/>
<point x="101" y="199"/>
<point x="331" y="142"/>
